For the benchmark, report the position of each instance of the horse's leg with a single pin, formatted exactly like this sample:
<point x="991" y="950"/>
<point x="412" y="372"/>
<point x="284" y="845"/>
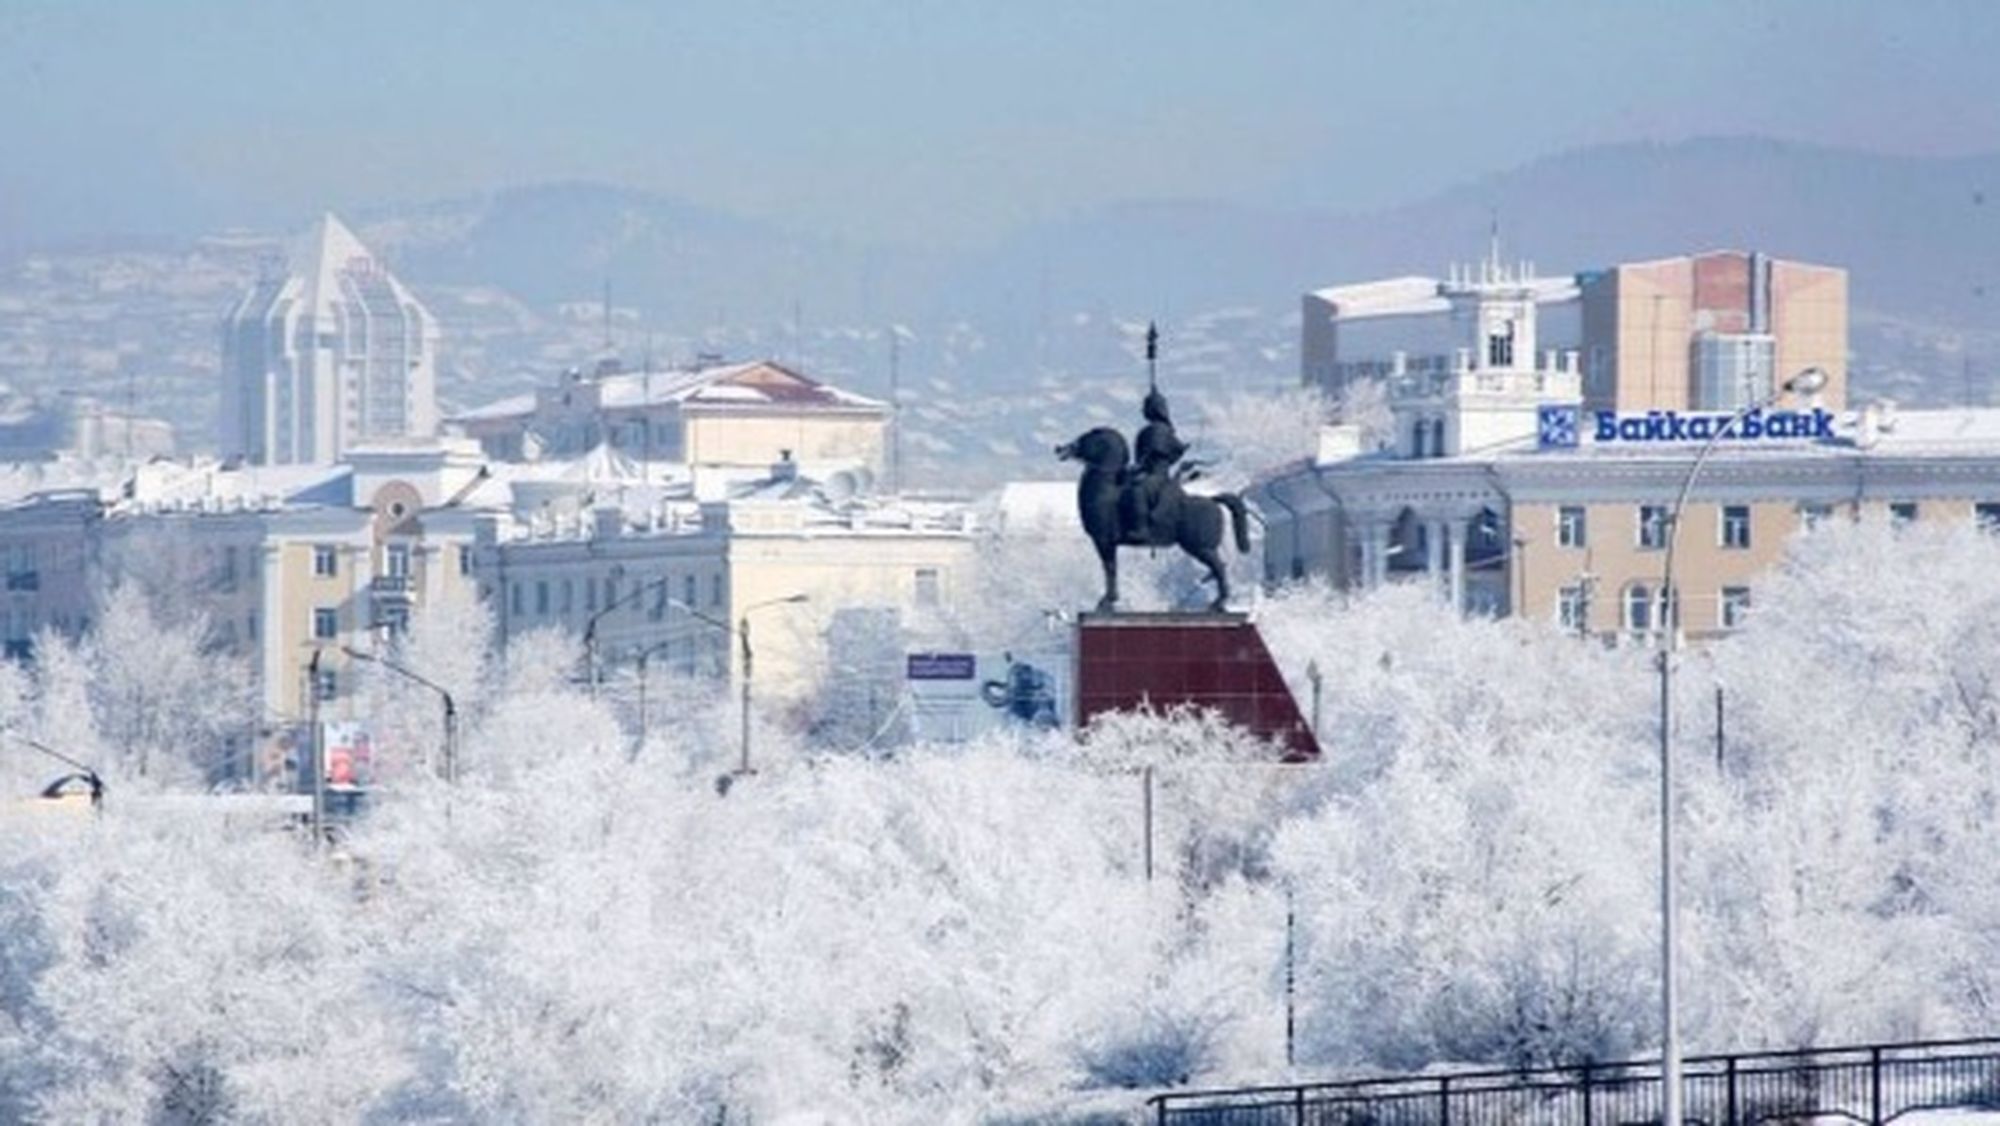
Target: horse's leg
<point x="1107" y="554"/>
<point x="1211" y="559"/>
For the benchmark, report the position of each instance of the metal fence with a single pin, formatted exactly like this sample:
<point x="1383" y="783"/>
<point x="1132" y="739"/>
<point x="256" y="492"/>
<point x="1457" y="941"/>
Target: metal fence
<point x="1874" y="1083"/>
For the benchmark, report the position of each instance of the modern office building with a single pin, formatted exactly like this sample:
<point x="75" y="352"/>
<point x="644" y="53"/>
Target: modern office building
<point x="1705" y="332"/>
<point x="333" y="353"/>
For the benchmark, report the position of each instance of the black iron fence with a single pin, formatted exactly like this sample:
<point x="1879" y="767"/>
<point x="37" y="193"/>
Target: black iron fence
<point x="1874" y="1083"/>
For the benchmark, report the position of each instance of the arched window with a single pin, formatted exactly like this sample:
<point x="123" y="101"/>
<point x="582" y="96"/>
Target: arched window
<point x="1419" y="438"/>
<point x="1437" y="437"/>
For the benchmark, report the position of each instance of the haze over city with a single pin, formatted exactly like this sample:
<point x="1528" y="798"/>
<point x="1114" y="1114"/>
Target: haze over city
<point x="918" y="125"/>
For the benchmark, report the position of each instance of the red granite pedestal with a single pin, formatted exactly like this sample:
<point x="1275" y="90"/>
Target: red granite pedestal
<point x="1136" y="662"/>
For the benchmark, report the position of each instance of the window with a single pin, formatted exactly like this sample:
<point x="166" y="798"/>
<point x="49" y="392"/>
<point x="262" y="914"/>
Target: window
<point x="395" y="619"/>
<point x="1986" y="516"/>
<point x="542" y="597"/>
<point x="1572" y="609"/>
<point x="715" y="590"/>
<point x="326" y="561"/>
<point x="1500" y="347"/>
<point x="1812" y="514"/>
<point x="250" y="625"/>
<point x="229" y="568"/>
<point x="1639" y="608"/>
<point x="1903" y="512"/>
<point x="514" y="598"/>
<point x="659" y="609"/>
<point x="688" y="595"/>
<point x="568" y="593"/>
<point x="326" y="623"/>
<point x="590" y="595"/>
<point x="1736" y="526"/>
<point x="1572" y="527"/>
<point x="927" y="586"/>
<point x="396" y="561"/>
<point x="465" y="560"/>
<point x="1653" y="526"/>
<point x="1735" y="606"/>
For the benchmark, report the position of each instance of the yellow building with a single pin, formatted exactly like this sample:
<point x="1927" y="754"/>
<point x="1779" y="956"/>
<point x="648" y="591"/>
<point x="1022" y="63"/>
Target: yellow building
<point x="669" y="583"/>
<point x="1522" y="480"/>
<point x="721" y="414"/>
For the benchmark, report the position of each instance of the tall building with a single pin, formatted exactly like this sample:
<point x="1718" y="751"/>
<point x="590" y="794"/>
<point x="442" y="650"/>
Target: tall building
<point x="1710" y="331"/>
<point x="334" y="353"/>
<point x="1705" y="331"/>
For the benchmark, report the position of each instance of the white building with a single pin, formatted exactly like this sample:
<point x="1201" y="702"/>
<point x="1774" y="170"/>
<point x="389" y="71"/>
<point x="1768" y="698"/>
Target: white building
<point x="1418" y="325"/>
<point x="335" y="353"/>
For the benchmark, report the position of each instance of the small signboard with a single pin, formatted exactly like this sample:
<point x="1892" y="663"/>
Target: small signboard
<point x="941" y="666"/>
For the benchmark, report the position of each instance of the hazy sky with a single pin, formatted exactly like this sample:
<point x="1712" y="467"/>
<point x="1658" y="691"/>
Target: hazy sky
<point x="943" y="122"/>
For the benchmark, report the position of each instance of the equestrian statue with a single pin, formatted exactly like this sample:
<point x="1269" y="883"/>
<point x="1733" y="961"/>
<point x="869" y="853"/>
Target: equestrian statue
<point x="1127" y="503"/>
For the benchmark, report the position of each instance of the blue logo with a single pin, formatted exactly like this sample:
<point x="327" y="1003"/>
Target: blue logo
<point x="1559" y="426"/>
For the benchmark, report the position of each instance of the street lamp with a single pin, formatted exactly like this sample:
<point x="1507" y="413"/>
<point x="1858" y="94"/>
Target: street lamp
<point x="90" y="775"/>
<point x="645" y="655"/>
<point x="590" y="626"/>
<point x="450" y="706"/>
<point x="1804" y="383"/>
<point x="743" y="639"/>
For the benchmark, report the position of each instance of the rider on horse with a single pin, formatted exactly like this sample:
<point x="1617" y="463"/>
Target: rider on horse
<point x="1155" y="450"/>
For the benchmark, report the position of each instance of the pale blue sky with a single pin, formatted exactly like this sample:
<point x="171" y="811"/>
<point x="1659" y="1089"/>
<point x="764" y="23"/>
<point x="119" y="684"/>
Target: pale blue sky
<point x="945" y="123"/>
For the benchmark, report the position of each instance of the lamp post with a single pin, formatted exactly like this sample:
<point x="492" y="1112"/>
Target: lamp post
<point x="590" y="626"/>
<point x="1804" y="383"/>
<point x="743" y="640"/>
<point x="450" y="705"/>
<point x="645" y="655"/>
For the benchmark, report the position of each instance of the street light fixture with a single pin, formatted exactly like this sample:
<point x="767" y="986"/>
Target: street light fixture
<point x="450" y="705"/>
<point x="590" y="626"/>
<point x="88" y="773"/>
<point x="1806" y="382"/>
<point x="646" y="654"/>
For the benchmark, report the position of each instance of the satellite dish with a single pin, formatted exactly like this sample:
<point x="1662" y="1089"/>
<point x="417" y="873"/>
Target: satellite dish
<point x="840" y="488"/>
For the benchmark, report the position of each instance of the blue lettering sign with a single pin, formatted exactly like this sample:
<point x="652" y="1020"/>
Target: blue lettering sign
<point x="1673" y="426"/>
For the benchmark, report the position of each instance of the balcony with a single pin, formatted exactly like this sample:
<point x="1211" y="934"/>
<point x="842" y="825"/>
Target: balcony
<point x="392" y="588"/>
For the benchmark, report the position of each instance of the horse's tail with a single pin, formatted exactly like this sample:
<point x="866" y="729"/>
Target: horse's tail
<point x="1239" y="517"/>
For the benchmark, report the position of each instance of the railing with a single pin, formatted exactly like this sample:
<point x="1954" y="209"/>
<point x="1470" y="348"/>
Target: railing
<point x="391" y="584"/>
<point x="1875" y="1083"/>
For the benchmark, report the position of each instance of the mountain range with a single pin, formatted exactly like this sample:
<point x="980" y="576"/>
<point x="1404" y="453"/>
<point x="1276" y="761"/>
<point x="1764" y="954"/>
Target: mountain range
<point x="1919" y="235"/>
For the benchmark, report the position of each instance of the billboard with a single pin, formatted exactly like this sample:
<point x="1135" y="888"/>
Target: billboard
<point x="350" y="754"/>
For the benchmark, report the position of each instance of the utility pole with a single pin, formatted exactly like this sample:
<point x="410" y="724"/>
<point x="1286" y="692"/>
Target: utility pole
<point x="316" y="751"/>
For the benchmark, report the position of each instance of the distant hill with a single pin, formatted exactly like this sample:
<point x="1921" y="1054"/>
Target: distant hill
<point x="1920" y="236"/>
<point x="683" y="264"/>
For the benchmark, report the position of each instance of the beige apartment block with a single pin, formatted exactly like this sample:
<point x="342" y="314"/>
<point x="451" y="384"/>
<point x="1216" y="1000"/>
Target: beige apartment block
<point x="1646" y="325"/>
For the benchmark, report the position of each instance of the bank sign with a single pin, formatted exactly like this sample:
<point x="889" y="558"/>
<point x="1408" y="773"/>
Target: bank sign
<point x="1561" y="427"/>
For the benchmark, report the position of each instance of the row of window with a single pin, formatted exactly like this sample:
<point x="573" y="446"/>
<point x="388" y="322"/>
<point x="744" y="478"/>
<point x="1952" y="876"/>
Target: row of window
<point x="546" y="597"/>
<point x="1733" y="529"/>
<point x="395" y="560"/>
<point x="1641" y="610"/>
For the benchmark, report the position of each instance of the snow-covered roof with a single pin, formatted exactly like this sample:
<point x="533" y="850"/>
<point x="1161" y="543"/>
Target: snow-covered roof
<point x="755" y="383"/>
<point x="1416" y="294"/>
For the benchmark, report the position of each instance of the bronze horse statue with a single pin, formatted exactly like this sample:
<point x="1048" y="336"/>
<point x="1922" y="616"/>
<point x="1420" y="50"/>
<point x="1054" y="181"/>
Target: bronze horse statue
<point x="1108" y="500"/>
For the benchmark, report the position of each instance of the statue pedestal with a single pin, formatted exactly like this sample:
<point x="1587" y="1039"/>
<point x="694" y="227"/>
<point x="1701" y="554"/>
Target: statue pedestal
<point x="1135" y="662"/>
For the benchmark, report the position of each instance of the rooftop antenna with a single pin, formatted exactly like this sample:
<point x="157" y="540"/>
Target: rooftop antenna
<point x="607" y="314"/>
<point x="1152" y="356"/>
<point x="895" y="409"/>
<point x="1493" y="243"/>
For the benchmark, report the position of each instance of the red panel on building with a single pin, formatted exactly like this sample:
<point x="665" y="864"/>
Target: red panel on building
<point x="1137" y="662"/>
